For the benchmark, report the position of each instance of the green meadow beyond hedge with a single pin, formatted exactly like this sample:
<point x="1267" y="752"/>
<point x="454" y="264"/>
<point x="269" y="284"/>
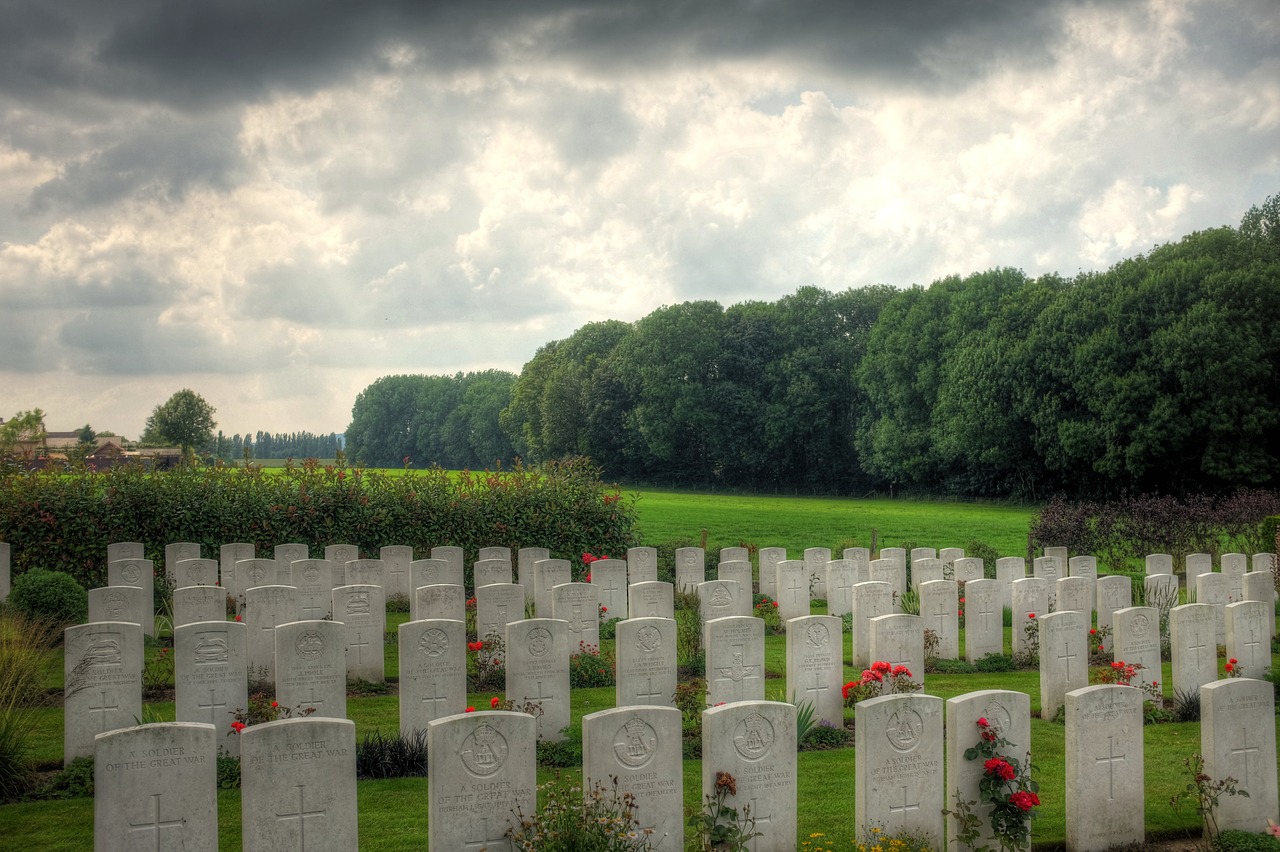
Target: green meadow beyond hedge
<point x="64" y="521"/>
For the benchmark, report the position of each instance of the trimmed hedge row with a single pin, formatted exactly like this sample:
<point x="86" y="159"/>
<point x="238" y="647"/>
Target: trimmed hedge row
<point x="64" y="521"/>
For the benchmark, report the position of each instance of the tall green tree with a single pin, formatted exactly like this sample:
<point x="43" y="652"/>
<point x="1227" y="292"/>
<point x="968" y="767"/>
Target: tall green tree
<point x="20" y="433"/>
<point x="185" y="420"/>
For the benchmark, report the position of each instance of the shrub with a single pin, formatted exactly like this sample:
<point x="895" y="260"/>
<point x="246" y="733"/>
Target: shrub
<point x="74" y="781"/>
<point x="157" y="672"/>
<point x="604" y="819"/>
<point x="995" y="663"/>
<point x="822" y="736"/>
<point x="51" y="595"/>
<point x="1234" y="840"/>
<point x="228" y="771"/>
<point x="589" y="667"/>
<point x="398" y="755"/>
<point x="1186" y="705"/>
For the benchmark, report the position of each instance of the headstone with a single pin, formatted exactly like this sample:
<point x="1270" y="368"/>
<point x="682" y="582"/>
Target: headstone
<point x="1136" y="638"/>
<point x="690" y="568"/>
<point x="526" y="558"/>
<point x="102" y="683"/>
<point x="434" y="572"/>
<point x="755" y="742"/>
<point x="642" y="564"/>
<point x="267" y="607"/>
<point x="287" y="554"/>
<point x="5" y="584"/>
<point x="538" y="671"/>
<point x="198" y="603"/>
<point x="497" y="605"/>
<point x="118" y="603"/>
<point x="651" y="600"/>
<point x="939" y="612"/>
<point x="898" y="639"/>
<point x="258" y="572"/>
<point x="1105" y="790"/>
<point x="815" y="666"/>
<point x="578" y="605"/>
<point x="861" y="559"/>
<point x="646" y="649"/>
<point x="1193" y="647"/>
<point x="121" y="550"/>
<point x="210" y="675"/>
<point x="1086" y="567"/>
<point x="734" y="659"/>
<point x="195" y="572"/>
<point x="1064" y="659"/>
<point x="983" y="620"/>
<point x="446" y="600"/>
<point x="951" y="554"/>
<point x="898" y="554"/>
<point x="769" y="558"/>
<point x="156" y="786"/>
<point x="840" y="580"/>
<point x="311" y="667"/>
<point x="1062" y="555"/>
<point x="734" y="554"/>
<point x="366" y="572"/>
<point x="1197" y="564"/>
<point x="313" y="578"/>
<point x="487" y="572"/>
<point x="548" y="574"/>
<point x="1212" y="589"/>
<point x="918" y="553"/>
<point x="1264" y="562"/>
<point x="1159" y="563"/>
<point x="298" y="785"/>
<point x="1234" y="566"/>
<point x="816" y="559"/>
<point x="433" y="671"/>
<point x="639" y="748"/>
<point x="1238" y="739"/>
<point x="869" y="601"/>
<point x="739" y="572"/>
<point x="1008" y="714"/>
<point x="1073" y="596"/>
<point x="340" y="555"/>
<point x="1114" y="593"/>
<point x="893" y="572"/>
<point x="1030" y="597"/>
<point x="494" y="552"/>
<point x="455" y="556"/>
<point x="396" y="559"/>
<point x="1008" y="569"/>
<point x="968" y="568"/>
<point x="1048" y="568"/>
<point x="609" y="576"/>
<point x="176" y="552"/>
<point x="793" y="589"/>
<point x="362" y="610"/>
<point x="721" y="598"/>
<point x="926" y="570"/>
<point x="483" y="772"/>
<point x="1247" y="638"/>
<point x="1260" y="586"/>
<point x="898" y="784"/>
<point x="140" y="574"/>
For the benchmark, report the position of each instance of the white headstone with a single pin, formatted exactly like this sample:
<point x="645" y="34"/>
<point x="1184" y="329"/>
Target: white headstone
<point x="940" y="612"/>
<point x="898" y="639"/>
<point x="642" y="564"/>
<point x="1234" y="566"/>
<point x="313" y="578"/>
<point x="538" y="671"/>
<point x="195" y="572"/>
<point x="926" y="570"/>
<point x="489" y="571"/>
<point x="1212" y="589"/>
<point x="433" y="671"/>
<point x="446" y="600"/>
<point x="739" y="572"/>
<point x="1086" y="567"/>
<point x="1137" y="641"/>
<point x="1159" y="563"/>
<point x="893" y="572"/>
<point x="494" y="552"/>
<point x="1105" y="791"/>
<point x="311" y="667"/>
<point x="434" y="572"/>
<point x="1030" y="598"/>
<point x="1072" y="595"/>
<point x="267" y="607"/>
<point x="102" y="683"/>
<point x="1008" y="569"/>
<point x="755" y="742"/>
<point x="609" y="576"/>
<point x="651" y="600"/>
<point x="646" y="649"/>
<point x="396" y="559"/>
<point x="722" y="598"/>
<point x="1114" y="593"/>
<point x="1048" y="568"/>
<point x="1248" y="641"/>
<point x="1197" y="564"/>
<point x="898" y="784"/>
<point x="526" y="557"/>
<point x="210" y="673"/>
<point x="793" y="589"/>
<point x="366" y="572"/>
<point x="918" y="553"/>
<point x="815" y="666"/>
<point x="690" y="568"/>
<point x="340" y="555"/>
<point x="498" y="605"/>
<point x="816" y="559"/>
<point x="548" y="574"/>
<point x="362" y="610"/>
<point x="578" y="605"/>
<point x="455" y="556"/>
<point x="734" y="554"/>
<point x="120" y="550"/>
<point x="138" y="573"/>
<point x="983" y="620"/>
<point x="869" y="601"/>
<point x="258" y="572"/>
<point x="640" y="748"/>
<point x="769" y="558"/>
<point x="1064" y="659"/>
<point x="118" y="603"/>
<point x="1260" y="586"/>
<point x="1238" y="739"/>
<point x="1008" y="714"/>
<point x="1193" y="648"/>
<point x="861" y="559"/>
<point x="1263" y="562"/>
<point x="287" y="554"/>
<point x="951" y="554"/>
<point x="734" y="659"/>
<point x="840" y="580"/>
<point x="180" y="551"/>
<point x="968" y="569"/>
<point x="198" y="603"/>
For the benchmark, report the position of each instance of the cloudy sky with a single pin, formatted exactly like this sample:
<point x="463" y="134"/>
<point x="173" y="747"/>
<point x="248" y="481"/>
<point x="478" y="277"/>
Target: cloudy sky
<point x="276" y="202"/>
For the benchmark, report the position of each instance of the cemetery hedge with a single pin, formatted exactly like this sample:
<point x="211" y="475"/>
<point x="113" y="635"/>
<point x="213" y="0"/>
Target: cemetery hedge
<point x="64" y="520"/>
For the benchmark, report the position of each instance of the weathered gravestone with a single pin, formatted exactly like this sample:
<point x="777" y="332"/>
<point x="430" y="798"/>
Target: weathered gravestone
<point x="1064" y="658"/>
<point x="642" y="564"/>
<point x="1030" y="600"/>
<point x="861" y="559"/>
<point x="893" y="572"/>
<point x="646" y="649"/>
<point x="815" y="666"/>
<point x="1159" y="563"/>
<point x="313" y="578"/>
<point x="578" y="605"/>
<point x="983" y="620"/>
<point x="1137" y="641"/>
<point x="816" y="559"/>
<point x="180" y="551"/>
<point x="483" y="773"/>
<point x="490" y="571"/>
<point x="102" y="677"/>
<point x="939" y="611"/>
<point x="898" y="639"/>
<point x="259" y="572"/>
<point x="639" y="747"/>
<point x="1086" y="567"/>
<point x="156" y="787"/>
<point x="140" y="574"/>
<point x="538" y="671"/>
<point x="366" y="572"/>
<point x="609" y="576"/>
<point x="340" y="555"/>
<point x="548" y="574"/>
<point x="734" y="554"/>
<point x="118" y="603"/>
<point x="951" y="554"/>
<point x="494" y="552"/>
<point x="526" y="558"/>
<point x="210" y="671"/>
<point x="1007" y="714"/>
<point x="840" y="580"/>
<point x="793" y="589"/>
<point x="285" y="555"/>
<point x="769" y="557"/>
<point x="195" y="572"/>
<point x="446" y="600"/>
<point x="1263" y="562"/>
<point x="311" y="667"/>
<point x="1247" y="638"/>
<point x="1008" y="569"/>
<point x="755" y="743"/>
<point x="926" y="570"/>
<point x="738" y="572"/>
<point x="1114" y="593"/>
<point x="434" y="572"/>
<point x="1197" y="564"/>
<point x="298" y="785"/>
<point x="1238" y="739"/>
<point x="498" y="605"/>
<point x="433" y="671"/>
<point x="1260" y="586"/>
<point x="362" y="610"/>
<point x="968" y="568"/>
<point x="690" y="568"/>
<point x="455" y="556"/>
<point x="1048" y="568"/>
<point x="651" y="600"/>
<point x="898" y="786"/>
<point x="1193" y="650"/>
<point x="1072" y="594"/>
<point x="1211" y="589"/>
<point x="897" y="554"/>
<point x="1234" y="566"/>
<point x="396" y="558"/>
<point x="918" y="553"/>
<point x="734" y="658"/>
<point x="122" y="550"/>
<point x="1105" y="794"/>
<point x="265" y="608"/>
<point x="198" y="603"/>
<point x="722" y="598"/>
<point x="869" y="601"/>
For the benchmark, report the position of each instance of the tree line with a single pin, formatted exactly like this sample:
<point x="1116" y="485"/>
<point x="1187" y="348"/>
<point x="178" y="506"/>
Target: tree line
<point x="1157" y="375"/>
<point x="283" y="445"/>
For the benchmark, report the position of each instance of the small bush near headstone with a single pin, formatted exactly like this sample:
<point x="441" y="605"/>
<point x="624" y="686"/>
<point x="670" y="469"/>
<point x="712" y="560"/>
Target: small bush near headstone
<point x="824" y="736"/>
<point x="564" y="754"/>
<point x="987" y="553"/>
<point x="157" y="673"/>
<point x="52" y="595"/>
<point x="397" y="755"/>
<point x="590" y="668"/>
<point x="360" y="687"/>
<point x="604" y="819"/>
<point x="609" y="629"/>
<point x="995" y="663"/>
<point x="398" y="603"/>
<point x="75" y="781"/>
<point x="1234" y="840"/>
<point x="228" y="771"/>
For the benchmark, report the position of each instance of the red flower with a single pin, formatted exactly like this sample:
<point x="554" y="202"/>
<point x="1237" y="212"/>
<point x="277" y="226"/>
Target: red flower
<point x="588" y="576"/>
<point x="237" y="726"/>
<point x="475" y="646"/>
<point x="1024" y="801"/>
<point x="983" y="723"/>
<point x="493" y="702"/>
<point x="844" y="690"/>
<point x="1233" y="661"/>
<point x="880" y="666"/>
<point x="604" y="609"/>
<point x="901" y="670"/>
<point x="275" y="704"/>
<point x="239" y="618"/>
<point x="1231" y="667"/>
<point x="775" y="604"/>
<point x="1093" y="631"/>
<point x="1000" y="768"/>
<point x="471" y="710"/>
<point x="1031" y="615"/>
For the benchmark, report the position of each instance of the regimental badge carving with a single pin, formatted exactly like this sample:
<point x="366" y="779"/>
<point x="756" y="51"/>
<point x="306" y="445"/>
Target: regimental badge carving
<point x="753" y="737"/>
<point x="635" y="743"/>
<point x="309" y="645"/>
<point x="904" y="730"/>
<point x="434" y="642"/>
<point x="212" y="648"/>
<point x="483" y="751"/>
<point x="720" y="596"/>
<point x="539" y="641"/>
<point x="817" y="635"/>
<point x="1138" y="628"/>
<point x="648" y="639"/>
<point x="311" y="573"/>
<point x="642" y="558"/>
<point x="691" y="559"/>
<point x="116" y="605"/>
<point x="257" y="574"/>
<point x="998" y="717"/>
<point x="342" y="555"/>
<point x="773" y="557"/>
<point x="197" y="574"/>
<point x="131" y="572"/>
<point x="103" y="650"/>
<point x="358" y="603"/>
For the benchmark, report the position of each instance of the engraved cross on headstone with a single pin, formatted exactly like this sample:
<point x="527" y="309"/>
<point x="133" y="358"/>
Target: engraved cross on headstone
<point x="359" y="645"/>
<point x="212" y="706"/>
<point x="759" y="818"/>
<point x="102" y="709"/>
<point x="1198" y="648"/>
<point x="1068" y="657"/>
<point x="943" y="610"/>
<point x="818" y="686"/>
<point x="435" y="698"/>
<point x="985" y="614"/>
<point x="1245" y="750"/>
<point x="311" y="607"/>
<point x="651" y="692"/>
<point x="1111" y="760"/>
<point x="1252" y="656"/>
<point x="796" y="587"/>
<point x="156" y="825"/>
<point x="301" y="815"/>
<point x="901" y="810"/>
<point x="487" y="838"/>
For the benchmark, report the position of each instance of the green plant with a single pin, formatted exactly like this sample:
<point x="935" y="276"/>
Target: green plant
<point x="1099" y="640"/>
<point x="398" y="602"/>
<point x="805" y="719"/>
<point x="995" y="663"/>
<point x="609" y="629"/>
<point x="360" y="686"/>
<point x="398" y="755"/>
<point x="910" y="601"/>
<point x="1029" y="656"/>
<point x="566" y="820"/>
<point x="1234" y="840"/>
<point x="24" y="644"/>
<point x="1006" y="789"/>
<point x="1186" y="705"/>
<point x="157" y="673"/>
<point x="485" y="670"/>
<point x="589" y="667"/>
<point x="228" y="771"/>
<point x="719" y="826"/>
<point x="822" y="736"/>
<point x="51" y="595"/>
<point x="561" y="754"/>
<point x="689" y="652"/>
<point x="1204" y="794"/>
<point x="881" y="679"/>
<point x="766" y="608"/>
<point x="74" y="781"/>
<point x="1123" y="673"/>
<point x="264" y="708"/>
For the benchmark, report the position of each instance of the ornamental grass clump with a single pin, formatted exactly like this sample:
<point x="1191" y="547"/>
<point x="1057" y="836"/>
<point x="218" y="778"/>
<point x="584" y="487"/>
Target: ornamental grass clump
<point x="1006" y="790"/>
<point x="25" y="642"/>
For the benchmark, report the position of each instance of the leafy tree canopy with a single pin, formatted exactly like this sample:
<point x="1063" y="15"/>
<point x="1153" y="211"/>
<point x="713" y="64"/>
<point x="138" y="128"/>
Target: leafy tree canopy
<point x="185" y="420"/>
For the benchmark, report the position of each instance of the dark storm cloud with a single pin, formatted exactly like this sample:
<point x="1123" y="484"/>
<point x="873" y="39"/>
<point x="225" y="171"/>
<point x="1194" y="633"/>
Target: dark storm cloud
<point x="116" y="343"/>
